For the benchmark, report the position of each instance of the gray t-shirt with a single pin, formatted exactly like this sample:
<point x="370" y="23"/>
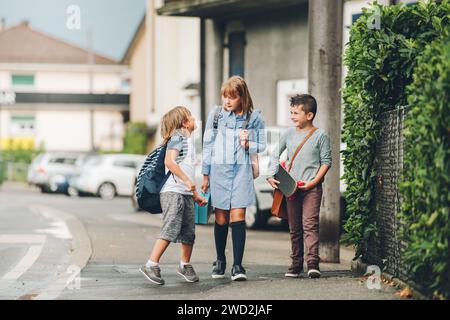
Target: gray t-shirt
<point x="186" y="160"/>
<point x="314" y="153"/>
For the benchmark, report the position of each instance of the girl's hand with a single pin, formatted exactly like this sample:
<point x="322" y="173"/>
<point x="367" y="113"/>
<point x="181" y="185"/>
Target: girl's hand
<point x="200" y="200"/>
<point x="243" y="138"/>
<point x="205" y="184"/>
<point x="306" y="186"/>
<point x="274" y="183"/>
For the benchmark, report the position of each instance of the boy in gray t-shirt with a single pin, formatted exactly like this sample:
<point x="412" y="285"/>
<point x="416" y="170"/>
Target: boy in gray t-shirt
<point x="308" y="169"/>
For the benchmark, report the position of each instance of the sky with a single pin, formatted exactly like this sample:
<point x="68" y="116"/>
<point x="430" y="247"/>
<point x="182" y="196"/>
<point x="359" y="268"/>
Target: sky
<point x="113" y="22"/>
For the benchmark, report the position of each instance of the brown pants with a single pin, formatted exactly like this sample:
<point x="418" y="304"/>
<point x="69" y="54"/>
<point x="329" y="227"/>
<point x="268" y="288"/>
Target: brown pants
<point x="303" y="215"/>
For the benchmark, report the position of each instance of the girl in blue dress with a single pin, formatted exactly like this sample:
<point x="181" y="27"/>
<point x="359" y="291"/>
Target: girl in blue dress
<point x="234" y="133"/>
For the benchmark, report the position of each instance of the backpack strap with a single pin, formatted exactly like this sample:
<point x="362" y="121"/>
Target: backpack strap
<point x="216" y="119"/>
<point x="246" y="121"/>
<point x="300" y="146"/>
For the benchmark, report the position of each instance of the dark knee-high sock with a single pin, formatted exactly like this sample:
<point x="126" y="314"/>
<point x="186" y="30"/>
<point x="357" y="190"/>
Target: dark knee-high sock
<point x="220" y="236"/>
<point x="238" y="232"/>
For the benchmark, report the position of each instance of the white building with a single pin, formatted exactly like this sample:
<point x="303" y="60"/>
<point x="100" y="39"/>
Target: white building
<point x="164" y="60"/>
<point x="59" y="96"/>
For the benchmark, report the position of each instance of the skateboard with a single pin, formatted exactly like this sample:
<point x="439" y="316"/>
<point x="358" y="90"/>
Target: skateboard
<point x="287" y="185"/>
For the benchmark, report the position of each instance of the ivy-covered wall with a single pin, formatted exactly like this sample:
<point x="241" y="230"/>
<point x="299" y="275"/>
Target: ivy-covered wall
<point x="387" y="68"/>
<point x="425" y="187"/>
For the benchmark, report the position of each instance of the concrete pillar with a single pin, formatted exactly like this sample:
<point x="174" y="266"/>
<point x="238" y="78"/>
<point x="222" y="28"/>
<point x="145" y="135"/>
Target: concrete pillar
<point x="324" y="83"/>
<point x="211" y="65"/>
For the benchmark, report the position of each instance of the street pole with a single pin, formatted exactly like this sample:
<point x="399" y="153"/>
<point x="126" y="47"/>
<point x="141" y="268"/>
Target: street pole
<point x="91" y="62"/>
<point x="324" y="83"/>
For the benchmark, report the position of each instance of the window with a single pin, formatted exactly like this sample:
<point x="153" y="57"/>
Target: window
<point x="237" y="53"/>
<point x="22" y="80"/>
<point x="125" y="164"/>
<point x="62" y="160"/>
<point x="22" y="125"/>
<point x="356" y="17"/>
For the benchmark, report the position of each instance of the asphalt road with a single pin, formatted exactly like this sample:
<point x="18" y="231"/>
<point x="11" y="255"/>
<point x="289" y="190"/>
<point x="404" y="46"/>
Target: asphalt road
<point x="56" y="247"/>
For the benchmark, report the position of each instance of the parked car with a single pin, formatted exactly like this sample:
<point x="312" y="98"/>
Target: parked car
<point x="50" y="171"/>
<point x="108" y="175"/>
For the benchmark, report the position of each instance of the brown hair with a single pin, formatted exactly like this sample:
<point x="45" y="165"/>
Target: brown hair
<point x="236" y="86"/>
<point x="307" y="101"/>
<point x="173" y="120"/>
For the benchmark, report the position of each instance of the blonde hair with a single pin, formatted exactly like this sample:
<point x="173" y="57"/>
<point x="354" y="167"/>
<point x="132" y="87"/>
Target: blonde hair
<point x="237" y="86"/>
<point x="172" y="121"/>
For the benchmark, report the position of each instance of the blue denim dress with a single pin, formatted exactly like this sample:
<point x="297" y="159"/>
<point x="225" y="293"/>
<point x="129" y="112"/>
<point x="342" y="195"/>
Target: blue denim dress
<point x="227" y="163"/>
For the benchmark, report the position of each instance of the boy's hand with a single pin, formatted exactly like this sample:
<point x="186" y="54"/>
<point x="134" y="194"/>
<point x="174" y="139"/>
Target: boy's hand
<point x="205" y="184"/>
<point x="274" y="183"/>
<point x="306" y="185"/>
<point x="190" y="185"/>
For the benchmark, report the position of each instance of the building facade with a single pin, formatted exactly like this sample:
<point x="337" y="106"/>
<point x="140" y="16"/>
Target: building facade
<point x="164" y="60"/>
<point x="58" y="96"/>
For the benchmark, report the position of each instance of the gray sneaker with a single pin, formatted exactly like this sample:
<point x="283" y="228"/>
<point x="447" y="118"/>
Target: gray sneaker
<point x="188" y="273"/>
<point x="153" y="274"/>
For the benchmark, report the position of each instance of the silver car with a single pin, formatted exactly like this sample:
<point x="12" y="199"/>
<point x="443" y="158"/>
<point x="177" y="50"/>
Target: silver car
<point x="49" y="171"/>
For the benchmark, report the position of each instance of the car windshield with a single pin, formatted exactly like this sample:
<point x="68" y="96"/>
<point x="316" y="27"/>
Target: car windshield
<point x="92" y="161"/>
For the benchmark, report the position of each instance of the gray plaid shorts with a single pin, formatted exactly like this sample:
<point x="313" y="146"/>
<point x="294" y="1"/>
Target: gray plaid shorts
<point x="178" y="218"/>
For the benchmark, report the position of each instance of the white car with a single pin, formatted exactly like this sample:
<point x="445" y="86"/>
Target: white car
<point x="108" y="175"/>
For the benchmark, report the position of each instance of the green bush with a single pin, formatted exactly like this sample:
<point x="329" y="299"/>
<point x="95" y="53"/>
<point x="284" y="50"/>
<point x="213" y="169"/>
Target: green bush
<point x="381" y="63"/>
<point x="426" y="177"/>
<point x="136" y="138"/>
<point x="23" y="155"/>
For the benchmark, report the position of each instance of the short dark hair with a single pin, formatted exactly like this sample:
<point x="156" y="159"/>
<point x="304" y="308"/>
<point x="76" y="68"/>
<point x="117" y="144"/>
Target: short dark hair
<point x="307" y="101"/>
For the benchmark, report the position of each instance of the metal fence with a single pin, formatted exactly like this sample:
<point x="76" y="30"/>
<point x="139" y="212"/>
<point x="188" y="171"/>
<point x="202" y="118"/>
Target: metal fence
<point x="13" y="171"/>
<point x="386" y="247"/>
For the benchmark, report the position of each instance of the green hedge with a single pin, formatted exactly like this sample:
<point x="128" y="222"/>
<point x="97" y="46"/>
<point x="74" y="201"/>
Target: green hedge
<point x="136" y="138"/>
<point x="381" y="63"/>
<point x="426" y="181"/>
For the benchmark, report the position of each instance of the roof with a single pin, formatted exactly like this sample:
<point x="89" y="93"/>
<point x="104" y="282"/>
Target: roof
<point x="22" y="44"/>
<point x="134" y="41"/>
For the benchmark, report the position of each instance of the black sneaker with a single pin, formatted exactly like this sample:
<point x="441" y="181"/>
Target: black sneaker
<point x="314" y="272"/>
<point x="153" y="274"/>
<point x="219" y="269"/>
<point x="294" y="272"/>
<point x="238" y="273"/>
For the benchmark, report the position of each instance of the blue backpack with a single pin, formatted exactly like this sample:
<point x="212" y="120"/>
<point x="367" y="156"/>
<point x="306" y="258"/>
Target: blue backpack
<point x="151" y="179"/>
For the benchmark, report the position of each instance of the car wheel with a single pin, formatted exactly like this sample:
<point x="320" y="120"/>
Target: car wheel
<point x="107" y="191"/>
<point x="72" y="192"/>
<point x="44" y="189"/>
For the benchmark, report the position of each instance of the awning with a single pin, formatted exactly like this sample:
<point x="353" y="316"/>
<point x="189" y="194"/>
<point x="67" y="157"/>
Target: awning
<point x="222" y="9"/>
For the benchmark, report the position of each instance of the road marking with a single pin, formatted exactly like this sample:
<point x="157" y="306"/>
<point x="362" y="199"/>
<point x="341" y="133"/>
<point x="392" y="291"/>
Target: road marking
<point x="22" y="239"/>
<point x="27" y="261"/>
<point x="80" y="254"/>
<point x="58" y="229"/>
